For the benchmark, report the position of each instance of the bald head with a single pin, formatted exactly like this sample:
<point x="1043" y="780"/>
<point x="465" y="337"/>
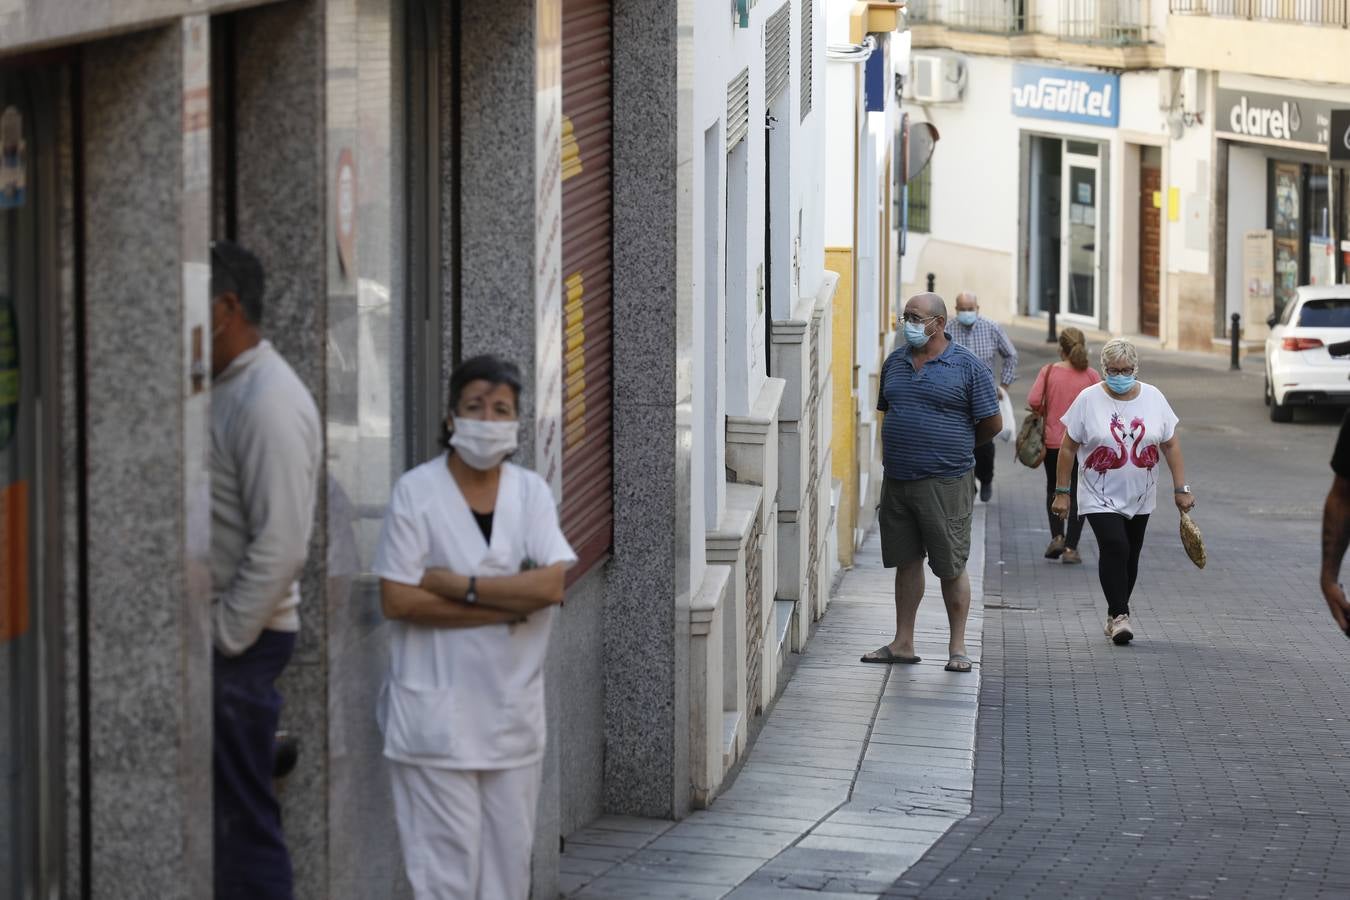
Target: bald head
<point x="926" y="305"/>
<point x="967" y="302"/>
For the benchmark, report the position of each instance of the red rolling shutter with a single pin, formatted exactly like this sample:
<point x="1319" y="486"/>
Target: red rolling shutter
<point x="587" y="256"/>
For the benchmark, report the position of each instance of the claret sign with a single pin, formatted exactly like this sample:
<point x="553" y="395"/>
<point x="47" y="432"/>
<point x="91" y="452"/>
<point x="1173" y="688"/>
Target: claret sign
<point x="1271" y="119"/>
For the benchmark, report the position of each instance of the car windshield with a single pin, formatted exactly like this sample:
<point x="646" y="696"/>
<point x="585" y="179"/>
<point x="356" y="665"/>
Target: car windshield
<point x="1330" y="312"/>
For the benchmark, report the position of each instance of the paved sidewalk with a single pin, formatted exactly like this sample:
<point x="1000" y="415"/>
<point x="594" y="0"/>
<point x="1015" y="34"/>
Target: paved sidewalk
<point x="1208" y="758"/>
<point x="857" y="771"/>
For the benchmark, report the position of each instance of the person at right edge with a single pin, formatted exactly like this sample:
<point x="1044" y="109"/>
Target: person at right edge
<point x="1057" y="386"/>
<point x="1336" y="529"/>
<point x="1115" y="431"/>
<point x="266" y="449"/>
<point x="938" y="403"/>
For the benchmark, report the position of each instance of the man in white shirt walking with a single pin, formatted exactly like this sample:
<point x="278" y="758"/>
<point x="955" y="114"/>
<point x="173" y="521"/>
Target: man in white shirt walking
<point x="266" y="447"/>
<point x="985" y="338"/>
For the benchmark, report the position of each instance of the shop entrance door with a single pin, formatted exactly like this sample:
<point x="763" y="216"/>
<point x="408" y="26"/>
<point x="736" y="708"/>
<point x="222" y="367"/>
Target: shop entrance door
<point x="29" y="760"/>
<point x="1080" y="219"/>
<point x="1064" y="219"/>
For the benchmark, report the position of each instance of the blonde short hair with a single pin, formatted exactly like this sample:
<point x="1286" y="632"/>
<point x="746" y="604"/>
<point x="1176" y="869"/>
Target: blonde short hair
<point x="1119" y="350"/>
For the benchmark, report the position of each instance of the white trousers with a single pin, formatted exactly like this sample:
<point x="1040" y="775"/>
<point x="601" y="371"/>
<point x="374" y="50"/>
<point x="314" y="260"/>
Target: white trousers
<point x="466" y="835"/>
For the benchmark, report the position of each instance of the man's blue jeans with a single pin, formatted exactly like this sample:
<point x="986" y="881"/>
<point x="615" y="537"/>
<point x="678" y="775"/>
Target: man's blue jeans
<point x="251" y="858"/>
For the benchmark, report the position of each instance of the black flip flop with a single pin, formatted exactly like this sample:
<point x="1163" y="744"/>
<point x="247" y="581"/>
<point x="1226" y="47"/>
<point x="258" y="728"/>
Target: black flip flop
<point x="885" y="657"/>
<point x="954" y="664"/>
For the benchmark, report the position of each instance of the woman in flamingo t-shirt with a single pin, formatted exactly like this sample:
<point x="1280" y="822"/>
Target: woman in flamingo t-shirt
<point x="1056" y="387"/>
<point x="1119" y="431"/>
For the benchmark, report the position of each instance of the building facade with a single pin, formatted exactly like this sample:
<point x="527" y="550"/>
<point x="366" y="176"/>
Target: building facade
<point x="623" y="196"/>
<point x="1115" y="161"/>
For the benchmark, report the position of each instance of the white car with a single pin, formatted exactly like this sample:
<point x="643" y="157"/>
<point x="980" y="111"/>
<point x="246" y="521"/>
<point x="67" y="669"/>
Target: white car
<point x="1299" y="370"/>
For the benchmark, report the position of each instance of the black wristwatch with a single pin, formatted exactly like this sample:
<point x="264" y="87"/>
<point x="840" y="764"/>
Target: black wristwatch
<point x="471" y="595"/>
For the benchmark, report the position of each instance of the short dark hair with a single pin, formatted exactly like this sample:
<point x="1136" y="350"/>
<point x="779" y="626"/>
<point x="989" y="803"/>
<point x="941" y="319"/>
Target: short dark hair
<point x="237" y="271"/>
<point x="487" y="367"/>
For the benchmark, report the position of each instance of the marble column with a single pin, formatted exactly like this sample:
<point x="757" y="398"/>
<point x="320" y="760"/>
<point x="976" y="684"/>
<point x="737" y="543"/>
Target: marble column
<point x="647" y="725"/>
<point x="282" y="213"/>
<point x="146" y="223"/>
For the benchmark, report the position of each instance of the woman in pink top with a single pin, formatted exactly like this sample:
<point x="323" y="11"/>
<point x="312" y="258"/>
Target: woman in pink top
<point x="1057" y="386"/>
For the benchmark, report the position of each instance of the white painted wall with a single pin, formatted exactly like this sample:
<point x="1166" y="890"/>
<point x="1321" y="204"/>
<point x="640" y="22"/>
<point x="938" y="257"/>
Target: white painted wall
<point x="732" y="322"/>
<point x="842" y="83"/>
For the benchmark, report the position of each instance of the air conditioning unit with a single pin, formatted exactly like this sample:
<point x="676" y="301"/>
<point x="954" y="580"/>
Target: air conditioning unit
<point x="935" y="78"/>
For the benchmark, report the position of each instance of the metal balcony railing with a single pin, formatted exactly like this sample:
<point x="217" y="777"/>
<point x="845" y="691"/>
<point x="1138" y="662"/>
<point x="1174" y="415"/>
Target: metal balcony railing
<point x="1330" y="13"/>
<point x="988" y="16"/>
<point x="922" y="12"/>
<point x="1115" y="22"/>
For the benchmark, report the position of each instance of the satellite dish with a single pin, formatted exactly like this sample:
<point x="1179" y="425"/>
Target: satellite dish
<point x="919" y="141"/>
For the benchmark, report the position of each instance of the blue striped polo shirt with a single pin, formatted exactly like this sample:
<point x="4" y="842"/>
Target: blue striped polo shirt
<point x="929" y="430"/>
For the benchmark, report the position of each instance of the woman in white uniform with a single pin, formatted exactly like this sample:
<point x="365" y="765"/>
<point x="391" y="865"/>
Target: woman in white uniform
<point x="471" y="564"/>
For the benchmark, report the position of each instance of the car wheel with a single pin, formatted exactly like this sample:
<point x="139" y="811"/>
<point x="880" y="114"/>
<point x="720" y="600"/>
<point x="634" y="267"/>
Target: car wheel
<point x="1280" y="412"/>
<point x="1267" y="390"/>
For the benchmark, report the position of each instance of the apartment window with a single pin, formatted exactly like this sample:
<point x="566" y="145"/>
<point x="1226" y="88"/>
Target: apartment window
<point x="917" y="197"/>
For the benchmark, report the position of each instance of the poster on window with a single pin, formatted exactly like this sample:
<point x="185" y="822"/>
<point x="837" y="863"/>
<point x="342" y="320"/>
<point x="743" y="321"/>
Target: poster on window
<point x="1321" y="260"/>
<point x="1258" y="282"/>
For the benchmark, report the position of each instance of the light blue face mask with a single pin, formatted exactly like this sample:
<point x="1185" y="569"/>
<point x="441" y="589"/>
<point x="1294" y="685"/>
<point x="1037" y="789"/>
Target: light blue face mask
<point x="1120" y="384"/>
<point x="916" y="335"/>
<point x="967" y="318"/>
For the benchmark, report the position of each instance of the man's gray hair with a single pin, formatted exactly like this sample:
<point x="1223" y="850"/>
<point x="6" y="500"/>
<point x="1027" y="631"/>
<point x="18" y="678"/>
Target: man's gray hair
<point x="932" y="302"/>
<point x="1120" y="351"/>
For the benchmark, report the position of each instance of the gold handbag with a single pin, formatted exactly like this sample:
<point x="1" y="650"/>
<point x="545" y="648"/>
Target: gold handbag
<point x="1192" y="540"/>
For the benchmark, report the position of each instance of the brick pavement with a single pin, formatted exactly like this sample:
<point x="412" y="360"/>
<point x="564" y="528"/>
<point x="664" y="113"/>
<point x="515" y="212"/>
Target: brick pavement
<point x="1208" y="758"/>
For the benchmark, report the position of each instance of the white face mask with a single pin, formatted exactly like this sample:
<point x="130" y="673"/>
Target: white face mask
<point x="483" y="445"/>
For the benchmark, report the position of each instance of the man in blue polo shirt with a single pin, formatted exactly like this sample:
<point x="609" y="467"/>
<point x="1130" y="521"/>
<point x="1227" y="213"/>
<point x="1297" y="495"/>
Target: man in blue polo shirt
<point x="939" y="403"/>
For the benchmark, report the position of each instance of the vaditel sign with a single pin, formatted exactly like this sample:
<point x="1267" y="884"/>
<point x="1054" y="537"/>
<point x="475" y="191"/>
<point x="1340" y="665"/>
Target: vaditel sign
<point x="1066" y="95"/>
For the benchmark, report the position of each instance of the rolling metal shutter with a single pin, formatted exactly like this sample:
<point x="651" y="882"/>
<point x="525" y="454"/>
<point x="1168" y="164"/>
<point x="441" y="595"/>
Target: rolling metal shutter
<point x="777" y="53"/>
<point x="587" y="255"/>
<point x="738" y="109"/>
<point x="808" y="11"/>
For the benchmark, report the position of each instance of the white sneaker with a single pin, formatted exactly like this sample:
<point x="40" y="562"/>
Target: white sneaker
<point x="1119" y="630"/>
<point x="1109" y="622"/>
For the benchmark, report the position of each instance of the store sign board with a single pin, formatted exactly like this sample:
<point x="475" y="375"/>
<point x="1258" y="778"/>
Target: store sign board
<point x="1338" y="147"/>
<point x="1269" y="118"/>
<point x="1068" y="95"/>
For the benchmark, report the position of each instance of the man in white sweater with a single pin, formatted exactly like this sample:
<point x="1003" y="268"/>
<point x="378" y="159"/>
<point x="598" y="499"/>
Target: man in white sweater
<point x="266" y="447"/>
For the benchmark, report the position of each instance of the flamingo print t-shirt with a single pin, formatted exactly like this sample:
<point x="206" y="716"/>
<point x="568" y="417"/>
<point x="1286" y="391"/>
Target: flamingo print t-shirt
<point x="1118" y="453"/>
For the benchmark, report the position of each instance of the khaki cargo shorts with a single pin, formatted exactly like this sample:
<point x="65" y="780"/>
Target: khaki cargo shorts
<point x="927" y="517"/>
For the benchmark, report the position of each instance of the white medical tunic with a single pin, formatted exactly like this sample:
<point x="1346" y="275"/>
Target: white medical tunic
<point x="467" y="698"/>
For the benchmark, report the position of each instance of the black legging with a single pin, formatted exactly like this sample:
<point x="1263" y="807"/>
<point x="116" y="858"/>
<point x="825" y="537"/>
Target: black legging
<point x="1056" y="523"/>
<point x="1119" y="541"/>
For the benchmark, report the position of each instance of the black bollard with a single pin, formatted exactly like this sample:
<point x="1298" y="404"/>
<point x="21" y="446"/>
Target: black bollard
<point x="932" y="280"/>
<point x="1235" y="332"/>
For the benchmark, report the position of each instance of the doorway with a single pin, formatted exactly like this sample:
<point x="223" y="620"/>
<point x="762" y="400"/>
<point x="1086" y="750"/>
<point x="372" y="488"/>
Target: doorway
<point x="1150" y="239"/>
<point x="1066" y="218"/>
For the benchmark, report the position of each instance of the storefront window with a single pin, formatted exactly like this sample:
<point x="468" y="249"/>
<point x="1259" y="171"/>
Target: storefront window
<point x="1302" y="206"/>
<point x="1342" y="200"/>
<point x="1286" y="219"/>
<point x="29" y="617"/>
<point x="1321" y="254"/>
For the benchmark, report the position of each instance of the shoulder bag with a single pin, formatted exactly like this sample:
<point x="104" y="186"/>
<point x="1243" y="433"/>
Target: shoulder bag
<point x="1031" y="438"/>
